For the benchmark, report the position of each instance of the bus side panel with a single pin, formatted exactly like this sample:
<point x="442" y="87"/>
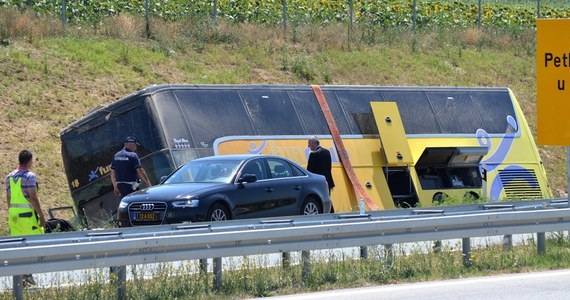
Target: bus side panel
<point x="511" y="163"/>
<point x="525" y="130"/>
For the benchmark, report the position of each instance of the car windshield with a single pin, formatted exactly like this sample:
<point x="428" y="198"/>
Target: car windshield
<point x="205" y="171"/>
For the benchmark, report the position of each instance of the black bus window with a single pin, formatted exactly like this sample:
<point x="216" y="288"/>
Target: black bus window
<point x="210" y="113"/>
<point x="157" y="165"/>
<point x="180" y="157"/>
<point x="494" y="108"/>
<point x="309" y="112"/>
<point x="417" y="114"/>
<point x="455" y="112"/>
<point x="272" y="112"/>
<point x="174" y="124"/>
<point x="355" y="108"/>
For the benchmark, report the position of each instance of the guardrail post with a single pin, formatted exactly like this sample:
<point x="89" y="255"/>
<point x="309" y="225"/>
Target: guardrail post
<point x="363" y="252"/>
<point x="306" y="258"/>
<point x="118" y="278"/>
<point x="286" y="262"/>
<point x="18" y="289"/>
<point x="63" y="15"/>
<point x="217" y="274"/>
<point x="540" y="242"/>
<point x="414" y="18"/>
<point x="437" y="247"/>
<point x="147" y="19"/>
<point x="466" y="245"/>
<point x="479" y="17"/>
<point x="350" y="13"/>
<point x="284" y="16"/>
<point x="389" y="255"/>
<point x="203" y="265"/>
<point x="507" y="242"/>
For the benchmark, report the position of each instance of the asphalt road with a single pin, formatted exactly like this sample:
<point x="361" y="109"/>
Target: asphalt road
<point x="537" y="285"/>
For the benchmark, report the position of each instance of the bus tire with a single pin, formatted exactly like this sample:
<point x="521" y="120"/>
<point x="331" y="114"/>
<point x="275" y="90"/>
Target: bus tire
<point x="471" y="195"/>
<point x="438" y="198"/>
<point x="218" y="212"/>
<point x="311" y="206"/>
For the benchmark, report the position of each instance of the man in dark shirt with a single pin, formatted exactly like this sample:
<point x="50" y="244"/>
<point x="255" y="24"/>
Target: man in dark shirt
<point x="126" y="169"/>
<point x="320" y="161"/>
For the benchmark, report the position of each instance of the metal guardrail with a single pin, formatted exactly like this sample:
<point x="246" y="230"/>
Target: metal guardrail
<point x="141" y="245"/>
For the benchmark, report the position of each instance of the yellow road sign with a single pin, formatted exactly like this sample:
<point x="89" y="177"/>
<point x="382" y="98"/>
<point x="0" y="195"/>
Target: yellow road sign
<point x="553" y="81"/>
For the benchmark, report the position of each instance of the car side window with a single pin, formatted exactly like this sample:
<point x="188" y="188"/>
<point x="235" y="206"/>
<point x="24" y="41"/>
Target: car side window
<point x="279" y="168"/>
<point x="297" y="171"/>
<point x="255" y="167"/>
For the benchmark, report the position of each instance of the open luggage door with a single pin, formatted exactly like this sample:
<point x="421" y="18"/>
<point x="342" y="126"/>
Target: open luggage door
<point x="397" y="154"/>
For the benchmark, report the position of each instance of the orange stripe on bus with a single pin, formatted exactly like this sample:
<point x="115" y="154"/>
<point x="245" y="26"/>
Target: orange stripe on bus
<point x="341" y="150"/>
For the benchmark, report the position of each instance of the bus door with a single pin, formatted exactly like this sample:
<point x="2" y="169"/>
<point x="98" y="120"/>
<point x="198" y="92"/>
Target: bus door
<point x="396" y="152"/>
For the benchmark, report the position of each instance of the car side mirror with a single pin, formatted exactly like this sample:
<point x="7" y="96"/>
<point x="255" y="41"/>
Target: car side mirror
<point x="249" y="178"/>
<point x="163" y="178"/>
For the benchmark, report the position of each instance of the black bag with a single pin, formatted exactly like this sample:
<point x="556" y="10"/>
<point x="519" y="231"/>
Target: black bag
<point x="58" y="225"/>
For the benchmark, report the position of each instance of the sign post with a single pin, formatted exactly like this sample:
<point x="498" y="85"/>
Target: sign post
<point x="553" y="84"/>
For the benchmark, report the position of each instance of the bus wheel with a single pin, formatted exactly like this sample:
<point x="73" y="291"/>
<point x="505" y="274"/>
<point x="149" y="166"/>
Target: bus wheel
<point x="438" y="198"/>
<point x="218" y="212"/>
<point x="311" y="207"/>
<point x="471" y="196"/>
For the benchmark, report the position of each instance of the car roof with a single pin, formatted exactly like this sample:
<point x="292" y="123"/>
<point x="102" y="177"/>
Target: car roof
<point x="238" y="157"/>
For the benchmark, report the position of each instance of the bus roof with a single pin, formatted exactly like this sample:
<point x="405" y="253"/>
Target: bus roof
<point x="154" y="89"/>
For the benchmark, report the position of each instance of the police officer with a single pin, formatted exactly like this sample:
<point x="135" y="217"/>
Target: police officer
<point x="126" y="169"/>
<point x="24" y="209"/>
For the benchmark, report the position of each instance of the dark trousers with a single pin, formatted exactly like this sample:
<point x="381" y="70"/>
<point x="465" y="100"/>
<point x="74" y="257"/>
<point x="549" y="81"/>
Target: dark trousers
<point x="124" y="189"/>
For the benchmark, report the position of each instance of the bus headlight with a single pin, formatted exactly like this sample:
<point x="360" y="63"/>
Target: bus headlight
<point x="186" y="203"/>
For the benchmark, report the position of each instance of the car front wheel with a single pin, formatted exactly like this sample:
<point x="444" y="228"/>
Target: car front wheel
<point x="311" y="206"/>
<point x="218" y="212"/>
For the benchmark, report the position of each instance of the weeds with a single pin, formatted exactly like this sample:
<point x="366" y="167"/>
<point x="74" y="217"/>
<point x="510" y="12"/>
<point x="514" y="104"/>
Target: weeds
<point x="253" y="276"/>
<point x="303" y="69"/>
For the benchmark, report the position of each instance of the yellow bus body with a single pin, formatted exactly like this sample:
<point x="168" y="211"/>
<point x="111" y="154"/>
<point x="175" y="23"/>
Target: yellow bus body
<point x="510" y="153"/>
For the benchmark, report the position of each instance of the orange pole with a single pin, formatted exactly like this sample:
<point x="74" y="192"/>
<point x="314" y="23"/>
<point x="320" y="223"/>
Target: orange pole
<point x="342" y="153"/>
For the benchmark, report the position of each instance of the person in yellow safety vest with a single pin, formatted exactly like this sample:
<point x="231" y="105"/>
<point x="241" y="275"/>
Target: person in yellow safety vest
<point x="25" y="216"/>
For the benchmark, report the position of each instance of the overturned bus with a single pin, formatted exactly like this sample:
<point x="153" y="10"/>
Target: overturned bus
<point x="405" y="145"/>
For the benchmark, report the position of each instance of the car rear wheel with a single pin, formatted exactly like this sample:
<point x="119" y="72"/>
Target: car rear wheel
<point x="218" y="212"/>
<point x="311" y="206"/>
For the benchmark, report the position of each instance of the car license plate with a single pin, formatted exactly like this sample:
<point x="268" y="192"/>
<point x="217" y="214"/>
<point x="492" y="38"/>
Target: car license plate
<point x="146" y="216"/>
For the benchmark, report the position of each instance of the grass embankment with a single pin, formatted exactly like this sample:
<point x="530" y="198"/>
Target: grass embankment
<point x="50" y="77"/>
<point x="252" y="277"/>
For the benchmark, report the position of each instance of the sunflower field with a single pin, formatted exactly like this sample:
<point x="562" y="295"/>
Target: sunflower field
<point x="381" y="13"/>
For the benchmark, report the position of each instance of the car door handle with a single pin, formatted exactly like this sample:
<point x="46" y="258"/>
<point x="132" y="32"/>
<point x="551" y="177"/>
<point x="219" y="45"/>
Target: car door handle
<point x="296" y="187"/>
<point x="269" y="190"/>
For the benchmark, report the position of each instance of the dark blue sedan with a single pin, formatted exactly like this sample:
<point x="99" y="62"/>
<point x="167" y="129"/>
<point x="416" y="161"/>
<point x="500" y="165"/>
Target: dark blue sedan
<point x="228" y="187"/>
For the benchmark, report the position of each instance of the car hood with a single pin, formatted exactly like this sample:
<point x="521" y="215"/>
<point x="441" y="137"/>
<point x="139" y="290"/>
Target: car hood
<point x="165" y="192"/>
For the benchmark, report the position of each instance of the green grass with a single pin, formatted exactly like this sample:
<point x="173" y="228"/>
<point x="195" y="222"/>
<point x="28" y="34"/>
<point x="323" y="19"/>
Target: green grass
<point x="253" y="277"/>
